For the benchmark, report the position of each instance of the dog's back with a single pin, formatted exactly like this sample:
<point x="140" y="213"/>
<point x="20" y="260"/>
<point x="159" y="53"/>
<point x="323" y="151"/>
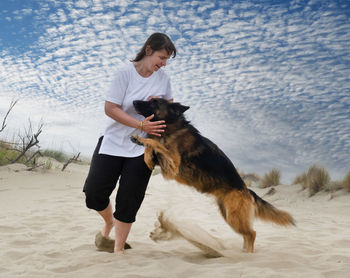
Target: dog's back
<point x="203" y="161"/>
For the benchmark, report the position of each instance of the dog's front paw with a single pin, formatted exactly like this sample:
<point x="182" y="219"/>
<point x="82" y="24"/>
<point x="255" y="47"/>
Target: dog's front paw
<point x="135" y="139"/>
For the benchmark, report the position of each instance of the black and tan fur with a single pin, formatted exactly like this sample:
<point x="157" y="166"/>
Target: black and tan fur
<point x="189" y="158"/>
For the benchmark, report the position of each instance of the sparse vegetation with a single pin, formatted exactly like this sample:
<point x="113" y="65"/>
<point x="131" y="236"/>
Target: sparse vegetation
<point x="21" y="150"/>
<point x="346" y="182"/>
<point x="57" y="155"/>
<point x="301" y="179"/>
<point x="26" y="150"/>
<point x="48" y="164"/>
<point x="12" y="104"/>
<point x="28" y="141"/>
<point x="334" y="186"/>
<point x="70" y="160"/>
<point x="250" y="179"/>
<point x="8" y="154"/>
<point x="271" y="179"/>
<point x="317" y="179"/>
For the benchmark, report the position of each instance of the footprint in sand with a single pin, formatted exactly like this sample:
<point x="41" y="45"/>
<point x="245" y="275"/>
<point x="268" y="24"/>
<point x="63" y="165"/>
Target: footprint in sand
<point x="17" y="255"/>
<point x="6" y="229"/>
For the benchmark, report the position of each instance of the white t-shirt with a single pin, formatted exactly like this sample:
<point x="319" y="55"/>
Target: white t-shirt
<point x="128" y="85"/>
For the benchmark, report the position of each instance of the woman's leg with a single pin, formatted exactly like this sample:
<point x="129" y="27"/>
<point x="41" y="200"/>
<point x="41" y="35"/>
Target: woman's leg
<point x="132" y="187"/>
<point x="100" y="182"/>
<point x="122" y="230"/>
<point x="107" y="215"/>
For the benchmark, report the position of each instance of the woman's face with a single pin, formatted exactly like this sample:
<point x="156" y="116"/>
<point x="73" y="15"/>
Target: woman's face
<point x="158" y="59"/>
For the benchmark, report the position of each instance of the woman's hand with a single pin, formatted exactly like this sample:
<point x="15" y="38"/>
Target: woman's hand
<point x="153" y="128"/>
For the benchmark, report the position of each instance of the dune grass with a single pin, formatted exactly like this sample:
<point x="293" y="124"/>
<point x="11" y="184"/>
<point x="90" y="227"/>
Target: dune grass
<point x="318" y="179"/>
<point x="57" y="155"/>
<point x="249" y="178"/>
<point x="26" y="149"/>
<point x="271" y="178"/>
<point x="346" y="181"/>
<point x="301" y="179"/>
<point x="7" y="153"/>
<point x="315" y="180"/>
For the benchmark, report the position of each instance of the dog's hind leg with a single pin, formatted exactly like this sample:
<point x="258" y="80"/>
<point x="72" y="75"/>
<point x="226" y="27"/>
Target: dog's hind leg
<point x="242" y="226"/>
<point x="238" y="211"/>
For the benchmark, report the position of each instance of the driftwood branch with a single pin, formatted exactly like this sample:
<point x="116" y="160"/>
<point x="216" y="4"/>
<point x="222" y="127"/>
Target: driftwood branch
<point x="12" y="104"/>
<point x="32" y="158"/>
<point x="74" y="158"/>
<point x="29" y="140"/>
<point x="34" y="166"/>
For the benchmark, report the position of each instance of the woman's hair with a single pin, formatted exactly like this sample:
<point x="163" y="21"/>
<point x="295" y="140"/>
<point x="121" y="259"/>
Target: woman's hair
<point x="157" y="41"/>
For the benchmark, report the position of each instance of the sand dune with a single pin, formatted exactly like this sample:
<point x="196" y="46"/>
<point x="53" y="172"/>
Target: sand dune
<point x="46" y="231"/>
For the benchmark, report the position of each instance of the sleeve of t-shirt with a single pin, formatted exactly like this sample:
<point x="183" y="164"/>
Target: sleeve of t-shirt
<point x="117" y="90"/>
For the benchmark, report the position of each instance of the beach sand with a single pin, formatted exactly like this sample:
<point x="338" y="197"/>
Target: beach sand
<point x="46" y="231"/>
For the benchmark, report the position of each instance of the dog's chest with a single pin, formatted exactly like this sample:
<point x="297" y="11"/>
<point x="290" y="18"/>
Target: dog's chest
<point x="168" y="143"/>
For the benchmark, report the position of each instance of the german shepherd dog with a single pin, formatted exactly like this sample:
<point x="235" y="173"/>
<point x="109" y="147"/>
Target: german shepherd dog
<point x="192" y="159"/>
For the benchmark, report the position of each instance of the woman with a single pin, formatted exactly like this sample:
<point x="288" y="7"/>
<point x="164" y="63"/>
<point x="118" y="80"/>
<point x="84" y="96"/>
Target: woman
<point x="115" y="156"/>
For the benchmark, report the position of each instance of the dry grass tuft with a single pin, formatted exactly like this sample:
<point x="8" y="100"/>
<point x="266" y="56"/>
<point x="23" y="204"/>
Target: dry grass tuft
<point x="250" y="179"/>
<point x="346" y="182"/>
<point x="317" y="180"/>
<point x="301" y="179"/>
<point x="7" y="153"/>
<point x="334" y="186"/>
<point x="271" y="179"/>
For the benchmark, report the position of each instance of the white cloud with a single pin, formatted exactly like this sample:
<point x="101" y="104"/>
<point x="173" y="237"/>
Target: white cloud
<point x="265" y="83"/>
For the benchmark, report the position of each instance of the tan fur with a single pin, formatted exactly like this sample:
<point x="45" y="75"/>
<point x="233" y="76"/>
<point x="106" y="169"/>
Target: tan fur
<point x="189" y="158"/>
<point x="169" y="163"/>
<point x="238" y="208"/>
<point x="268" y="212"/>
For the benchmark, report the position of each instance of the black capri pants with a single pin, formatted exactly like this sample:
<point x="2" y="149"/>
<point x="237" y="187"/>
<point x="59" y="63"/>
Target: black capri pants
<point x="105" y="170"/>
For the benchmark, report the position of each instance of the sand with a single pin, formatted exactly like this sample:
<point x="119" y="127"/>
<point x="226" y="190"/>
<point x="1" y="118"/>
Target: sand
<point x="46" y="231"/>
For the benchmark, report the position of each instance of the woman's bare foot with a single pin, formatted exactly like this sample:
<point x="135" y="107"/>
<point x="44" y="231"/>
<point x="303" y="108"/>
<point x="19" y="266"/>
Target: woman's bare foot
<point x="122" y="230"/>
<point x="107" y="215"/>
<point x="119" y="252"/>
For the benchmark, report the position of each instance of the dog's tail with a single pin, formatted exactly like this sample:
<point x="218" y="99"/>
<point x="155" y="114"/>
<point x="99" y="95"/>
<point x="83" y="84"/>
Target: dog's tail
<point x="268" y="212"/>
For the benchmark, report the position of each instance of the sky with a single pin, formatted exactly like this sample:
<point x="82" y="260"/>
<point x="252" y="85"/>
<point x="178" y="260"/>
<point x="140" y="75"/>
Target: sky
<point x="267" y="81"/>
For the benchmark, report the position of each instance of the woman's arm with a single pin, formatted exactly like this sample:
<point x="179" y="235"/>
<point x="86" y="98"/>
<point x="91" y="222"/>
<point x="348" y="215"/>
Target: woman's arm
<point x="115" y="112"/>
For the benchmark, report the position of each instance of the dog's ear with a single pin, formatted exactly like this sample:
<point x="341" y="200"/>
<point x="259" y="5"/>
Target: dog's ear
<point x="179" y="108"/>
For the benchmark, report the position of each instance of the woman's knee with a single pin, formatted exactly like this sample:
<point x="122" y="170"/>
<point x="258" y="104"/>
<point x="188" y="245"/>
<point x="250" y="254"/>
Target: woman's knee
<point x="95" y="200"/>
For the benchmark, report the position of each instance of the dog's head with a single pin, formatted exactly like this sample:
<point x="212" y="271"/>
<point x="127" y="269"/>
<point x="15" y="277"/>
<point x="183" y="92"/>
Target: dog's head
<point x="161" y="108"/>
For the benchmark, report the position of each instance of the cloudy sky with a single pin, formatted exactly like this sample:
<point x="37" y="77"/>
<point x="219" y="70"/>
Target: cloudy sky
<point x="267" y="81"/>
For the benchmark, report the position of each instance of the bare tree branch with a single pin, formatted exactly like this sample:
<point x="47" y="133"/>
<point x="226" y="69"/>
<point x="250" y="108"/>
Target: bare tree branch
<point x="29" y="140"/>
<point x="74" y="158"/>
<point x="12" y="104"/>
<point x="34" y="166"/>
<point x="33" y="157"/>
